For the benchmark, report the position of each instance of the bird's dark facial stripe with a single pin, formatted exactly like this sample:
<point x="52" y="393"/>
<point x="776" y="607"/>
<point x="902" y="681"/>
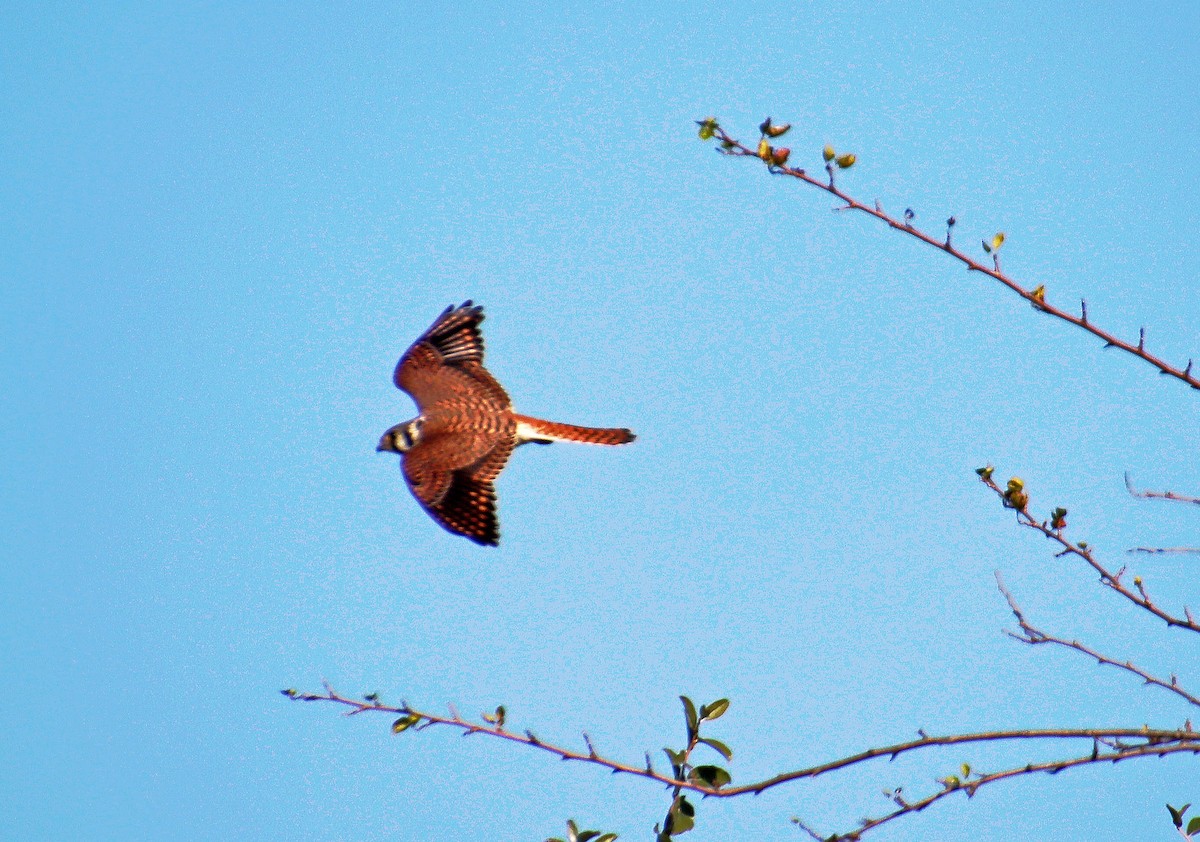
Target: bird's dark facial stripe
<point x="403" y="437"/>
<point x="407" y="435"/>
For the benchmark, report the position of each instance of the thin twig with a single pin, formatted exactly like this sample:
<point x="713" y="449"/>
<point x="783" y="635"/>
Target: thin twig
<point x="736" y="149"/>
<point x="1159" y="495"/>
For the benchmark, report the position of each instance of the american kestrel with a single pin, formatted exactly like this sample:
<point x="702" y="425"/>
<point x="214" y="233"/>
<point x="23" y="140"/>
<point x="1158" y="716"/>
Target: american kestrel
<point x="466" y="430"/>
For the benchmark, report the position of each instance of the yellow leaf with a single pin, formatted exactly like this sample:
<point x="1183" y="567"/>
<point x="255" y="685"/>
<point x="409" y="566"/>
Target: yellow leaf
<point x="405" y="722"/>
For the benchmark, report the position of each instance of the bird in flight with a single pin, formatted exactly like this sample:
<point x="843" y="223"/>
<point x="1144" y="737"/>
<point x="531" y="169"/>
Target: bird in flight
<point x="452" y="452"/>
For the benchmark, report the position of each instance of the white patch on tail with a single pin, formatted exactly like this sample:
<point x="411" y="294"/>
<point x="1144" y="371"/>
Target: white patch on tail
<point x="527" y="433"/>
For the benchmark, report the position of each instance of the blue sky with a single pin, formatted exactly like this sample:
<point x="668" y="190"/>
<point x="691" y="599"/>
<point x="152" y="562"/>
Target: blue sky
<point x="223" y="226"/>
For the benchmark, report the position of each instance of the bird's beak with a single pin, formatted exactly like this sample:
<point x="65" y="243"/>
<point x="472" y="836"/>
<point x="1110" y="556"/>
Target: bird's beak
<point x="384" y="444"/>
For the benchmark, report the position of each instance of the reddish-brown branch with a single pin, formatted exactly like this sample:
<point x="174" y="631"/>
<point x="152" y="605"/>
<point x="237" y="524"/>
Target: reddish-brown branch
<point x="1138" y="595"/>
<point x="1035" y="297"/>
<point x="1035" y="636"/>
<point x="1114" y="738"/>
<point x="973" y="784"/>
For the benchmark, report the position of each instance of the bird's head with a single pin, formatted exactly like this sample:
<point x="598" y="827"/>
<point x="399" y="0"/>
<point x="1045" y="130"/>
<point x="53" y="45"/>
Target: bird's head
<point x="401" y="438"/>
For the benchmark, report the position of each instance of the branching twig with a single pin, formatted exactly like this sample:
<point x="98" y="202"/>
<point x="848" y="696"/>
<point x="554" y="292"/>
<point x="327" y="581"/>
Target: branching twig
<point x="1036" y="297"/>
<point x="1034" y="636"/>
<point x="972" y="785"/>
<point x="1138" y="595"/>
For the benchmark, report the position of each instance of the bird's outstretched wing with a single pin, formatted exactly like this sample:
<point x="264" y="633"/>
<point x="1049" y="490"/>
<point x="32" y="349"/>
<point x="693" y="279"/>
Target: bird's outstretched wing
<point x="447" y="362"/>
<point x="462" y="501"/>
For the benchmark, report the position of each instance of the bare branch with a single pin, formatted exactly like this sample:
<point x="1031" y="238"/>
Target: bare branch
<point x="1035" y="636"/>
<point x="1159" y="495"/>
<point x="1036" y="297"/>
<point x="973" y="785"/>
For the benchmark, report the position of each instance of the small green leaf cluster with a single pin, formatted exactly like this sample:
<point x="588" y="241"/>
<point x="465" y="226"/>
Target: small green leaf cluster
<point x="682" y="815"/>
<point x="1177" y="817"/>
<point x="574" y="834"/>
<point x="962" y="779"/>
<point x="844" y="161"/>
<point x="1058" y="518"/>
<point x="709" y="128"/>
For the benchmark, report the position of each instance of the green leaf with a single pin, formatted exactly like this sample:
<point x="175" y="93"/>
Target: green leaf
<point x="682" y="815"/>
<point x="405" y="722"/>
<point x="677" y="758"/>
<point x="711" y="776"/>
<point x="608" y="837"/>
<point x="1193" y="825"/>
<point x="719" y="747"/>
<point x="713" y="711"/>
<point x="588" y="835"/>
<point x="1177" y="815"/>
<point x="689" y="709"/>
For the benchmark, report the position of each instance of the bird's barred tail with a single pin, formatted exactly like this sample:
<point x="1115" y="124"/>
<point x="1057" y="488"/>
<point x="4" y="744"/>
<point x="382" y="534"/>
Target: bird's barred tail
<point x="543" y="432"/>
